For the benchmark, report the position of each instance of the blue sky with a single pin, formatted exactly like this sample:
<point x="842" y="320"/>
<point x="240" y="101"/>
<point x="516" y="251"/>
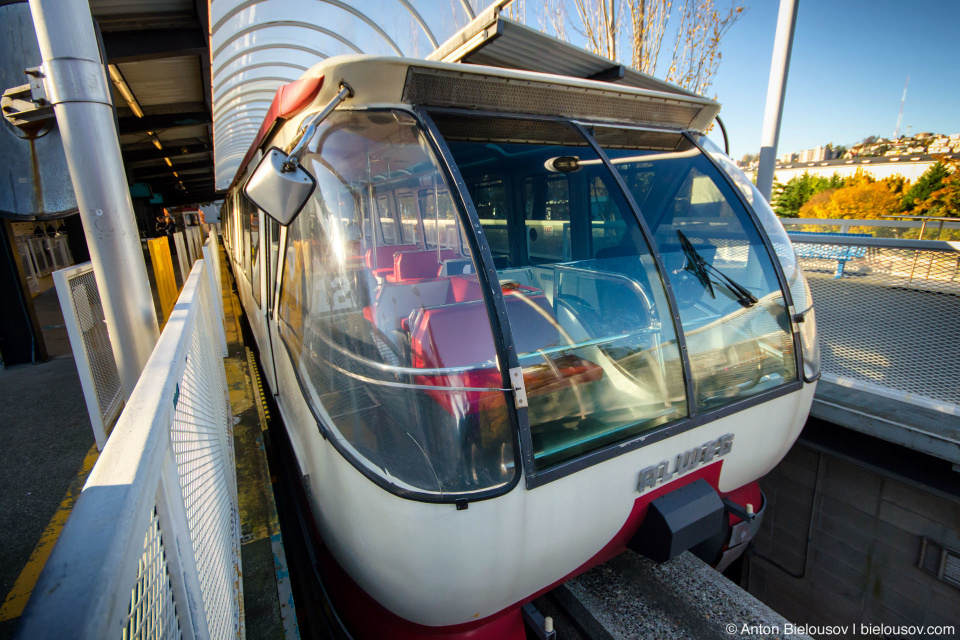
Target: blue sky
<point x="850" y="61"/>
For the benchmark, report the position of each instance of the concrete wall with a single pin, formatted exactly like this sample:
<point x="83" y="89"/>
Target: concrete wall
<point x="861" y="566"/>
<point x="909" y="170"/>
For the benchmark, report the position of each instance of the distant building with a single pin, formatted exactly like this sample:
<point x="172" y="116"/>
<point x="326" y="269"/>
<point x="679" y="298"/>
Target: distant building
<point x="817" y="154"/>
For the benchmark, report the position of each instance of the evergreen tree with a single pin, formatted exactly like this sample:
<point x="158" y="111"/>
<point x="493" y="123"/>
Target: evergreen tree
<point x="930" y="181"/>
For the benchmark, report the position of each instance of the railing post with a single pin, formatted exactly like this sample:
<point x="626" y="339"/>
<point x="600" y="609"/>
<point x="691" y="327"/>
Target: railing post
<point x="215" y="295"/>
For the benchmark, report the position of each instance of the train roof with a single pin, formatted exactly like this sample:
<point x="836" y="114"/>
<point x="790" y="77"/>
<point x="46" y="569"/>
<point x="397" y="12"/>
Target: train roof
<point x="383" y="81"/>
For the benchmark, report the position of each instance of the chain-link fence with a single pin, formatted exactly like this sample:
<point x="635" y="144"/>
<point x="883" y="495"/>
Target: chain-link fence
<point x="889" y="320"/>
<point x="152" y="547"/>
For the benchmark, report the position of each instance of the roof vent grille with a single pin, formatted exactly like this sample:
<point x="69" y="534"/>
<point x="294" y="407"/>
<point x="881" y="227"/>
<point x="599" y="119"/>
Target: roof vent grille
<point x="442" y="88"/>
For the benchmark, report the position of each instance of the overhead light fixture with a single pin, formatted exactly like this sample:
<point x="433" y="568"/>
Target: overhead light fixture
<point x="155" y="140"/>
<point x="176" y="175"/>
<point x="124" y="89"/>
<point x="169" y="163"/>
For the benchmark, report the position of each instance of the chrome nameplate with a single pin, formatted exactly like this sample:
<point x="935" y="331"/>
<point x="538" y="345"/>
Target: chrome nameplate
<point x="684" y="461"/>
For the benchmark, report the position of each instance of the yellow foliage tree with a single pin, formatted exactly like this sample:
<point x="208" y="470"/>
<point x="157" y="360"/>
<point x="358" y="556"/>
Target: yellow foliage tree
<point x="862" y="198"/>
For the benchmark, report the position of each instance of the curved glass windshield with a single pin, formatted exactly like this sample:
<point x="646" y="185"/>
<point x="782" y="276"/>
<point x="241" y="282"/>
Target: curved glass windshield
<point x="737" y="328"/>
<point x="384" y="318"/>
<point x="586" y="305"/>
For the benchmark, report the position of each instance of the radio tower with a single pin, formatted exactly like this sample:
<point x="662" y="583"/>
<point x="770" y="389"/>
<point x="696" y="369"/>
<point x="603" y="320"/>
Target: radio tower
<point x="896" y="134"/>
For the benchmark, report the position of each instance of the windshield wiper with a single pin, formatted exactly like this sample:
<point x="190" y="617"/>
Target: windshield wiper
<point x="699" y="267"/>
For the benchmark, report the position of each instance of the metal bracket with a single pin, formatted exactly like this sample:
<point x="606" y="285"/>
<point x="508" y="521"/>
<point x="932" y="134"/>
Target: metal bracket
<point x="27" y="104"/>
<point x="795" y="318"/>
<point x="519" y="389"/>
<point x="739" y="511"/>
<point x="541" y="627"/>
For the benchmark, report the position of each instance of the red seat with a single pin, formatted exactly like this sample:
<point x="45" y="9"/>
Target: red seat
<point x="418" y="265"/>
<point x="458" y="335"/>
<point x="380" y="260"/>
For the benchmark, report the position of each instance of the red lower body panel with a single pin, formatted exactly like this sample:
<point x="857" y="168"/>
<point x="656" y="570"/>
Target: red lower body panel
<point x="367" y="618"/>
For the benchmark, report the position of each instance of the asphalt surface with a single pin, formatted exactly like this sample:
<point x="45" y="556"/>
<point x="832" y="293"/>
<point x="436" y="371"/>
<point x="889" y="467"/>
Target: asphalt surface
<point x="46" y="434"/>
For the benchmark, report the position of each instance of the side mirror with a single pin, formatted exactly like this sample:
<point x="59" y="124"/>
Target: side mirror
<point x="281" y="191"/>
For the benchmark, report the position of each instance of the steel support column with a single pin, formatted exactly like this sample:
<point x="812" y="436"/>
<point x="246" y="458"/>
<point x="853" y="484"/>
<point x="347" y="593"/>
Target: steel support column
<point x="76" y="84"/>
<point x="776" y="89"/>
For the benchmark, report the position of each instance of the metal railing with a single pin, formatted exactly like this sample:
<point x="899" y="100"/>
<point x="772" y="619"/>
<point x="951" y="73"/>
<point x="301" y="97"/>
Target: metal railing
<point x="889" y="325"/>
<point x="886" y="228"/>
<point x="92" y="350"/>
<point x="152" y="547"/>
<point x="41" y="255"/>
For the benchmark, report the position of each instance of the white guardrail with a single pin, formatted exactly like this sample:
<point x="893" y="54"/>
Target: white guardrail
<point x="152" y="547"/>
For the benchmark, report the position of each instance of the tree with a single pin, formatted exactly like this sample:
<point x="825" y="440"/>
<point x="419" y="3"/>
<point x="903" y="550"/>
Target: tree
<point x="945" y="201"/>
<point x="600" y="23"/>
<point x="696" y="51"/>
<point x="604" y="23"/>
<point x="749" y="157"/>
<point x="862" y="198"/>
<point x="926" y="184"/>
<point x="648" y="23"/>
<point x="790" y="197"/>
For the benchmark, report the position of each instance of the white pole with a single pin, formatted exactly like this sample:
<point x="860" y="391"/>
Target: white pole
<point x="76" y="85"/>
<point x="779" y="66"/>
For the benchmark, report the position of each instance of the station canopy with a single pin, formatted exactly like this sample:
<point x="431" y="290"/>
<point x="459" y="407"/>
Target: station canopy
<point x="159" y="70"/>
<point x="259" y="45"/>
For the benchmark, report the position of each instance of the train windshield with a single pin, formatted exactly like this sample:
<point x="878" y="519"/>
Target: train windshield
<point x="587" y="307"/>
<point x="735" y="321"/>
<point x="384" y="318"/>
<point x="600" y="354"/>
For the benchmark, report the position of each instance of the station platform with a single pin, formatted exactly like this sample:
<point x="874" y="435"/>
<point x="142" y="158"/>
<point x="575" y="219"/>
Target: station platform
<point x="50" y="452"/>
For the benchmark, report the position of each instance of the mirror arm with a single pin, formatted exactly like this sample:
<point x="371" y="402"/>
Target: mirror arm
<point x="299" y="143"/>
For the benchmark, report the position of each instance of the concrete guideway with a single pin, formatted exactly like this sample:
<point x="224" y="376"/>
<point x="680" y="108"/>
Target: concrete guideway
<point x="267" y="596"/>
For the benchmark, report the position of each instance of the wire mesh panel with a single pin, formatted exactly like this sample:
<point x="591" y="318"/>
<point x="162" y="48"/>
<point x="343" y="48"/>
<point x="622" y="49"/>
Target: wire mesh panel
<point x="152" y="613"/>
<point x="204" y="456"/>
<point x="92" y="350"/>
<point x="891" y="319"/>
<point x="152" y="547"/>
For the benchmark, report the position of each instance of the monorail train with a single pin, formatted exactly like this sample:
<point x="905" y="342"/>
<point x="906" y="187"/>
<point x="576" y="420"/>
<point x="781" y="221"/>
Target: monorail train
<point x="514" y="323"/>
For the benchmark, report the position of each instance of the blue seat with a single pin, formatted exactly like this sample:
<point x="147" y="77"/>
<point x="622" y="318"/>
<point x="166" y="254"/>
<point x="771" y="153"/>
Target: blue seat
<point x="839" y="252"/>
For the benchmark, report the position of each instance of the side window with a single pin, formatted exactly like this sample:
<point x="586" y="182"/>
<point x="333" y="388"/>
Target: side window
<point x="245" y="236"/>
<point x="273" y="251"/>
<point x="738" y="333"/>
<point x="439" y="219"/>
<point x="392" y="342"/>
<point x="492" y="210"/>
<point x="255" y="274"/>
<point x="409" y="220"/>
<point x="389" y="226"/>
<point x="546" y="202"/>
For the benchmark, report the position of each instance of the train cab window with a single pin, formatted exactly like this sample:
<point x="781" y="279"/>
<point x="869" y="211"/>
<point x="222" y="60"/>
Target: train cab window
<point x="391" y="341"/>
<point x="732" y="310"/>
<point x="587" y="308"/>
